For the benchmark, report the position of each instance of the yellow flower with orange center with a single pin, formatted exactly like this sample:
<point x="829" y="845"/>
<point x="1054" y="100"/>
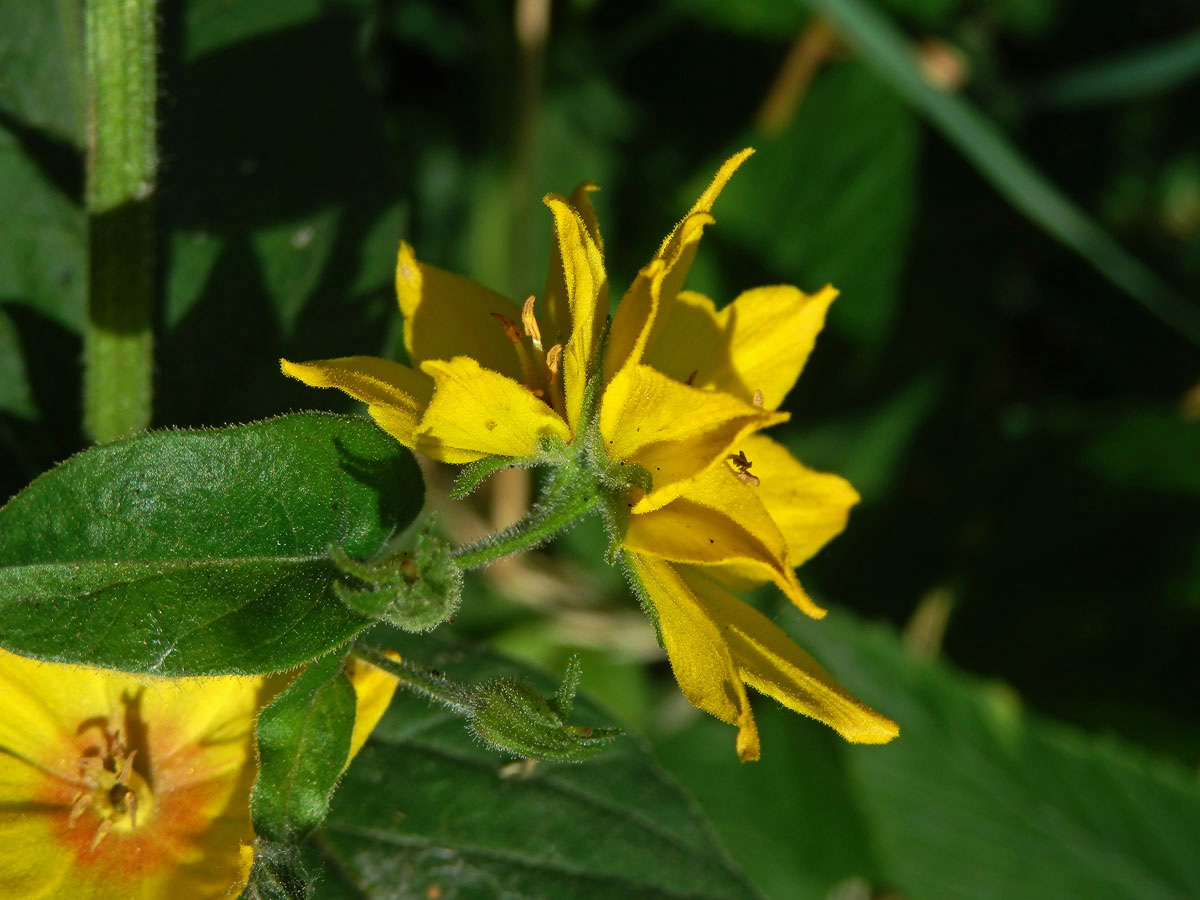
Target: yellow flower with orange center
<point x="662" y="413"/>
<point x="115" y="786"/>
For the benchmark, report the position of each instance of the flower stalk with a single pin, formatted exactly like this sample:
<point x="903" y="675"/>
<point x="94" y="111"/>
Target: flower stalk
<point x="122" y="164"/>
<point x="571" y="494"/>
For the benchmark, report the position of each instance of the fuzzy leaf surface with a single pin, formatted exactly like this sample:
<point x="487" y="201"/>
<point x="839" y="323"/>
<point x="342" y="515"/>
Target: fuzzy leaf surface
<point x="425" y="810"/>
<point x="201" y="552"/>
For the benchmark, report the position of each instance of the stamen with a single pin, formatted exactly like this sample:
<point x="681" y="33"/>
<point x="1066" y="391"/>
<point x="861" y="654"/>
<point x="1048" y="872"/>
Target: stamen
<point x="79" y="807"/>
<point x="530" y="323"/>
<point x="758" y="399"/>
<point x="126" y="768"/>
<point x="102" y="830"/>
<point x="553" y="361"/>
<point x="131" y="803"/>
<point x="511" y="330"/>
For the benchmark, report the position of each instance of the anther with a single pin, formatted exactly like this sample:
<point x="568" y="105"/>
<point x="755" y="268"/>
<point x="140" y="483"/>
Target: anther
<point x="102" y="830"/>
<point x="758" y="399"/>
<point x="131" y="803"/>
<point x="126" y="768"/>
<point x="530" y="323"/>
<point x="81" y="804"/>
<point x="553" y="357"/>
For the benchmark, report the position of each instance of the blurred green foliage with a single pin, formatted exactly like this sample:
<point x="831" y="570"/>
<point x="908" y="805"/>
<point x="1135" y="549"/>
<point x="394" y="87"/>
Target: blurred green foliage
<point x="1018" y="427"/>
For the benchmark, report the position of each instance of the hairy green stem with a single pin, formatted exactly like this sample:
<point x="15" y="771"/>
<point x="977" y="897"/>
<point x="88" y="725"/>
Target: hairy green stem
<point x="122" y="163"/>
<point x="429" y="684"/>
<point x="557" y="509"/>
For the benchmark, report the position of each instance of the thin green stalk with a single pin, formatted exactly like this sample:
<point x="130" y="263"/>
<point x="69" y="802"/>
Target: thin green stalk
<point x="122" y="164"/>
<point x="436" y="687"/>
<point x="574" y="498"/>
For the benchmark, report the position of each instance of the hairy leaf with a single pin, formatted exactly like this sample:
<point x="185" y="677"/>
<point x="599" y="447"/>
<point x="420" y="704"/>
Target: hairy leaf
<point x="201" y="552"/>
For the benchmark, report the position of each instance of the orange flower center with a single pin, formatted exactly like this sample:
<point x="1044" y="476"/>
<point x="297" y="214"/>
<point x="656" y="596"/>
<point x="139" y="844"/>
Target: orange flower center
<point x="112" y="789"/>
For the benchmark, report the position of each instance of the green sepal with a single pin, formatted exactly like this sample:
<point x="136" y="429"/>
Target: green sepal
<point x="416" y="586"/>
<point x="474" y="474"/>
<point x="507" y="714"/>
<point x="564" y="697"/>
<point x="512" y="716"/>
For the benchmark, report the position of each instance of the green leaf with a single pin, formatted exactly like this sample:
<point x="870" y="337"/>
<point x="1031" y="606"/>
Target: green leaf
<point x="41" y="66"/>
<point x="1148" y="450"/>
<point x="286" y="208"/>
<point x="424" y="806"/>
<point x="847" y="161"/>
<point x="43" y="263"/>
<point x="1132" y="75"/>
<point x="868" y="448"/>
<point x="975" y="798"/>
<point x="885" y="49"/>
<point x="201" y="552"/>
<point x="794" y="850"/>
<point x="303" y="743"/>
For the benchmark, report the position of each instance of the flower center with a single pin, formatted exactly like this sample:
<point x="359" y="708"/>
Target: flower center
<point x="539" y="367"/>
<point x="112" y="789"/>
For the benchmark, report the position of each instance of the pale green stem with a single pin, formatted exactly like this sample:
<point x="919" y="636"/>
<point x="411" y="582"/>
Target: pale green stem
<point x="437" y="687"/>
<point x="122" y="162"/>
<point x="533" y="531"/>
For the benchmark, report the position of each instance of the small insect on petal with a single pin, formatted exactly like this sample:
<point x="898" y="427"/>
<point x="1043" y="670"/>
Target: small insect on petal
<point x="742" y="466"/>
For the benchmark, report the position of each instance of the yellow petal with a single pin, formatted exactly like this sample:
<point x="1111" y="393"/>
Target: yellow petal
<point x="476" y="412"/>
<point x="43" y="704"/>
<point x="396" y="396"/>
<point x="770" y="662"/>
<point x="586" y="287"/>
<point x="557" y="309"/>
<point x="639" y="315"/>
<point x="447" y="315"/>
<point x="675" y="431"/>
<point x="810" y="508"/>
<point x="720" y="521"/>
<point x="194" y="742"/>
<point x="373" y="690"/>
<point x="760" y="342"/>
<point x="706" y="200"/>
<point x="699" y="657"/>
<point x="637" y="324"/>
<point x="30" y="867"/>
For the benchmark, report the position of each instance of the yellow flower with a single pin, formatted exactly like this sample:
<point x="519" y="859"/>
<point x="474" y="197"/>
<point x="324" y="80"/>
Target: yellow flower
<point x="114" y="786"/>
<point x="667" y="421"/>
